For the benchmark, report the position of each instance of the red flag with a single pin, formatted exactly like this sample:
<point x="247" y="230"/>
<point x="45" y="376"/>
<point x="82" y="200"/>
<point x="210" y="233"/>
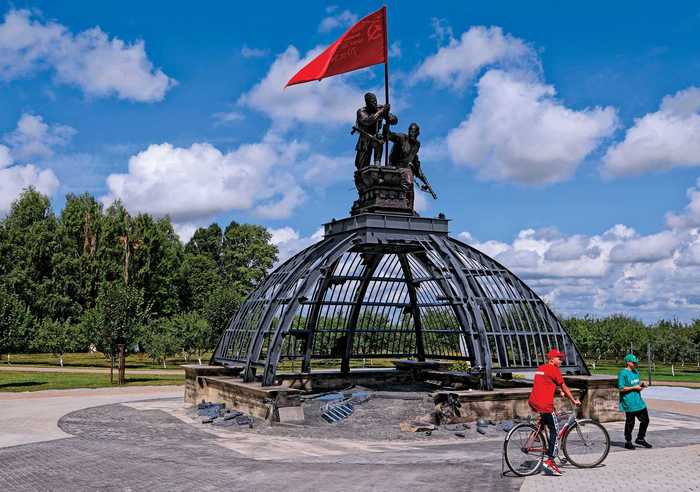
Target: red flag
<point x="363" y="45"/>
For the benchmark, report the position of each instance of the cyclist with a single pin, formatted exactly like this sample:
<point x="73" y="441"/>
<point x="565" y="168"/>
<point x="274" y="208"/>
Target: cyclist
<point x="547" y="378"/>
<point x="631" y="402"/>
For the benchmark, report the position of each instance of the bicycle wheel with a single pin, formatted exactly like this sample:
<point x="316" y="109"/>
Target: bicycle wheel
<point x="586" y="444"/>
<point x="524" y="449"/>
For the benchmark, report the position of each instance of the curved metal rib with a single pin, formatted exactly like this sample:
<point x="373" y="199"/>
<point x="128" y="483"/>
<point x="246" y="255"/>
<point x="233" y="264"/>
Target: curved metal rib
<point x="312" y="275"/>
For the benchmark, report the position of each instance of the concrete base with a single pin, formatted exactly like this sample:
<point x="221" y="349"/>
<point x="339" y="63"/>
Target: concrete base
<point x="254" y="399"/>
<point x="601" y="397"/>
<point x="499" y="404"/>
<point x="194" y="371"/>
<point x="222" y="385"/>
<point x="331" y="380"/>
<point x="598" y="394"/>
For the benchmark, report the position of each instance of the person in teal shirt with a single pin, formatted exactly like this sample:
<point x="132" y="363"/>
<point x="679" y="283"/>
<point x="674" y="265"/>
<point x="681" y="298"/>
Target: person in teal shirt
<point x="630" y="385"/>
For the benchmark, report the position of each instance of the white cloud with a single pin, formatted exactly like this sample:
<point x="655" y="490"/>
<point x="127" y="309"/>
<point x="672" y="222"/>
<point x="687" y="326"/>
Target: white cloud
<point x="290" y="242"/>
<point x="197" y="182"/>
<point x="571" y="248"/>
<point x="618" y="270"/>
<point x="282" y="207"/>
<point x="667" y="138"/>
<point x="421" y="202"/>
<point x="517" y="131"/>
<point x="456" y="64"/>
<point x="395" y="50"/>
<point x="334" y="21"/>
<point x="99" y="65"/>
<point x="185" y="230"/>
<point x="247" y="52"/>
<point x="5" y="156"/>
<point x="331" y="101"/>
<point x="35" y="138"/>
<point x="646" y="249"/>
<point x="442" y="31"/>
<point x="323" y="170"/>
<point x="227" y="118"/>
<point x="691" y="216"/>
<point x="14" y="179"/>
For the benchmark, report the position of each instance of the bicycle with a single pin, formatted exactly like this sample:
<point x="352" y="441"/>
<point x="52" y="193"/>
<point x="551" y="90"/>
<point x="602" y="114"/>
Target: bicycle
<point x="585" y="444"/>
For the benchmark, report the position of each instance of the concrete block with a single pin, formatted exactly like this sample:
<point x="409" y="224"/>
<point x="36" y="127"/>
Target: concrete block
<point x="291" y="414"/>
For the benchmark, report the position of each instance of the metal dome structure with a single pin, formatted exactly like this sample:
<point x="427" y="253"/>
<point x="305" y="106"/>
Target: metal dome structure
<point x="393" y="286"/>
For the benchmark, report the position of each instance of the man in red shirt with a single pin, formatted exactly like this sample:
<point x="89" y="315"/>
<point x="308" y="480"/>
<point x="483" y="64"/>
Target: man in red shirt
<point x="547" y="378"/>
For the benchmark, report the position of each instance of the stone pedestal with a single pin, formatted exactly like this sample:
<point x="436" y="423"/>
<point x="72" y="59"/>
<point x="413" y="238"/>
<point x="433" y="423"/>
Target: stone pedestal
<point x="380" y="189"/>
<point x="601" y="397"/>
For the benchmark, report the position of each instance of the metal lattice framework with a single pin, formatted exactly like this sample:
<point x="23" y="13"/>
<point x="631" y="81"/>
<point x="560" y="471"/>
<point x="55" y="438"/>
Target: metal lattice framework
<point x="390" y="287"/>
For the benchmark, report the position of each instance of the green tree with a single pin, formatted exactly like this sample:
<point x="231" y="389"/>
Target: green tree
<point x="220" y="308"/>
<point x="76" y="269"/>
<point x="15" y="323"/>
<point x="198" y="278"/>
<point x="673" y="343"/>
<point x="55" y="337"/>
<point x="120" y="313"/>
<point x="246" y="256"/>
<point x="208" y="242"/>
<point x="26" y="260"/>
<point x="155" y="263"/>
<point x="194" y="334"/>
<point x="161" y="341"/>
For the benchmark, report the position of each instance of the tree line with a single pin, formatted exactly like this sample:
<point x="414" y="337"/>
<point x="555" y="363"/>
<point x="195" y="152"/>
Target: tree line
<point x="99" y="278"/>
<point x="669" y="341"/>
<point x="103" y="279"/>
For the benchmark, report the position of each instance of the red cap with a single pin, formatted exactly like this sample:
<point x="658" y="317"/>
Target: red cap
<point x="554" y="353"/>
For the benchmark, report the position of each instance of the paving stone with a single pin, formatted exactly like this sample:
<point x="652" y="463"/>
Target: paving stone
<point x="117" y="448"/>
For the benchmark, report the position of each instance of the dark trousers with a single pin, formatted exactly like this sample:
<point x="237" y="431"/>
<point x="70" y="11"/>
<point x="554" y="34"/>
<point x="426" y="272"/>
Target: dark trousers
<point x="551" y="421"/>
<point x="643" y="417"/>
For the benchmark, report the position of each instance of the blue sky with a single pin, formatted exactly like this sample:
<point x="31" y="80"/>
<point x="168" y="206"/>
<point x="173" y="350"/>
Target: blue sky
<point x="560" y="140"/>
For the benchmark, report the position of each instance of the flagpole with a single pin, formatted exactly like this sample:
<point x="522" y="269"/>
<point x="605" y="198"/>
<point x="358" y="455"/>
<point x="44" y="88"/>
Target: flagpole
<point x="386" y="82"/>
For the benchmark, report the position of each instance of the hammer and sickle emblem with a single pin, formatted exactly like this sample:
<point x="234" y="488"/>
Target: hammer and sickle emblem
<point x="374" y="31"/>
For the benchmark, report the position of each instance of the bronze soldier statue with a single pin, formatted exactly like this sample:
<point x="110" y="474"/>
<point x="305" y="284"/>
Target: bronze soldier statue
<point x="372" y="131"/>
<point x="404" y="156"/>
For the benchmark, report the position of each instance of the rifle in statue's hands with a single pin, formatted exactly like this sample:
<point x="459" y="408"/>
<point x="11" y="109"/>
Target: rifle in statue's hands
<point x="418" y="173"/>
<point x="355" y="128"/>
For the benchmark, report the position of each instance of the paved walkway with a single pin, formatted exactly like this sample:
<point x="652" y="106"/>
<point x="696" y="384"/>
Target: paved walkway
<point x="92" y="370"/>
<point x="151" y="445"/>
<point x="672" y="469"/>
<point x="29" y="417"/>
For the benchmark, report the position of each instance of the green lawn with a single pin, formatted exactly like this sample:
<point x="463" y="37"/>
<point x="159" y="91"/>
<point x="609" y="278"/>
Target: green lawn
<point x="688" y="374"/>
<point x="133" y="361"/>
<point x="35" y="381"/>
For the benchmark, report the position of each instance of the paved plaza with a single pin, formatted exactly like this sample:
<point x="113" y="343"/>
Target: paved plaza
<point x="84" y="440"/>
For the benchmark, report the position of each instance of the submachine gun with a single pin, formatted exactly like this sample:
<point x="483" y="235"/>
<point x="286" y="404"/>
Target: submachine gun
<point x="425" y="185"/>
<point x="355" y="128"/>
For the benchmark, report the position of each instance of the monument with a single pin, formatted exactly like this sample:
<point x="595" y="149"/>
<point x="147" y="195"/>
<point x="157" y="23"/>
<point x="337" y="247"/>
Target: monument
<point x="385" y="283"/>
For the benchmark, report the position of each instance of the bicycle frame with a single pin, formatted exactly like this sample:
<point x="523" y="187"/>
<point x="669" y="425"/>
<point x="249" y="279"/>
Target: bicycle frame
<point x="539" y="427"/>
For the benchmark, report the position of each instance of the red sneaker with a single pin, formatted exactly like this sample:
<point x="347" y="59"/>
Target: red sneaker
<point x="550" y="468"/>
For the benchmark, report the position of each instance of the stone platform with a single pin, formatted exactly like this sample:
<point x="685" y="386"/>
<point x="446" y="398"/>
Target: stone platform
<point x="598" y="394"/>
<point x="254" y="399"/>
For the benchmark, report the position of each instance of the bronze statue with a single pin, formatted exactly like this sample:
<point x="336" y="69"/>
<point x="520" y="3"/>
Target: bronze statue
<point x="372" y="124"/>
<point x="404" y="156"/>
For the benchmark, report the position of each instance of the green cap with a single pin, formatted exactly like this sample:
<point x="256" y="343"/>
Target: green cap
<point x="631" y="358"/>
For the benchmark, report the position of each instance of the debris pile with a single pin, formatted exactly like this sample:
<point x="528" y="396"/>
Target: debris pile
<point x="216" y="414"/>
<point x="339" y="405"/>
